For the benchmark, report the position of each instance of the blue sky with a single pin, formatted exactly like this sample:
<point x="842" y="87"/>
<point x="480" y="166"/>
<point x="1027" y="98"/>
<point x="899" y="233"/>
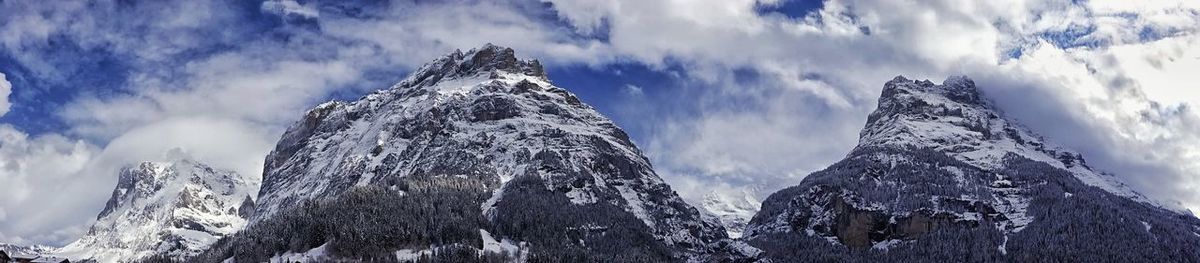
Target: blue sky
<point x="99" y="71"/>
<point x="81" y="70"/>
<point x="746" y="96"/>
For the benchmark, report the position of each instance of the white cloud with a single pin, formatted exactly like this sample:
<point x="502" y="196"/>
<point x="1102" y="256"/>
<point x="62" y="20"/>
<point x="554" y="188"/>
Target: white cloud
<point x="1123" y="93"/>
<point x="1164" y="68"/>
<point x="632" y="90"/>
<point x="411" y="34"/>
<point x="1098" y="101"/>
<point x="237" y="85"/>
<point x="40" y="175"/>
<point x="5" y="90"/>
<point x="764" y="133"/>
<point x="160" y="32"/>
<point x="220" y="142"/>
<point x="55" y="186"/>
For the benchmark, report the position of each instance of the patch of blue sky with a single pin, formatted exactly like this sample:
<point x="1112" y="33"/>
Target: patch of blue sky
<point x="1071" y="37"/>
<point x="604" y="87"/>
<point x="37" y="96"/>
<point x="547" y="14"/>
<point x="65" y="69"/>
<point x="1081" y="36"/>
<point x="791" y="8"/>
<point x="1075" y="36"/>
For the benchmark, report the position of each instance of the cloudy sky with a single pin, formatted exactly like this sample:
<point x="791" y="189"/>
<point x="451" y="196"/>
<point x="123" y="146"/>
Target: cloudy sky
<point x="721" y="94"/>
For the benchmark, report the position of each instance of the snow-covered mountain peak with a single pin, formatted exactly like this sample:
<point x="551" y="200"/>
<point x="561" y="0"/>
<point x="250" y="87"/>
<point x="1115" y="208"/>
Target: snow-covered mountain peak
<point x="955" y="118"/>
<point x="175" y="207"/>
<point x="941" y="172"/>
<point x="955" y="88"/>
<point x="136" y="182"/>
<point x="732" y="208"/>
<point x="496" y="93"/>
<point x="488" y="118"/>
<point x="489" y="59"/>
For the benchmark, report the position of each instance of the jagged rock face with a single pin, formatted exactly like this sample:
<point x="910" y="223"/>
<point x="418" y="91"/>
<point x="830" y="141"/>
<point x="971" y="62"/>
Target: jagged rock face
<point x="940" y="173"/>
<point x="175" y="208"/>
<point x="490" y="117"/>
<point x="954" y="119"/>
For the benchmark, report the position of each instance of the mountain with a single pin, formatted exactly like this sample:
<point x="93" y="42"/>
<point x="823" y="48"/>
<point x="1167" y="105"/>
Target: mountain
<point x="175" y="209"/>
<point x="940" y="174"/>
<point x="12" y="250"/>
<point x="473" y="154"/>
<point x="37" y="253"/>
<point x="733" y="208"/>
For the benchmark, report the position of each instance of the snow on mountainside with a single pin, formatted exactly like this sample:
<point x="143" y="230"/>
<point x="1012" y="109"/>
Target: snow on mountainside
<point x="38" y="253"/>
<point x="174" y="208"/>
<point x="25" y="250"/>
<point x="732" y="208"/>
<point x="953" y="118"/>
<point x="341" y="144"/>
<point x="543" y="157"/>
<point x="940" y="173"/>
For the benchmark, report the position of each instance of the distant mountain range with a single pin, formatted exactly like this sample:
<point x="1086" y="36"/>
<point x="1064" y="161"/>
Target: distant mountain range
<point x="478" y="157"/>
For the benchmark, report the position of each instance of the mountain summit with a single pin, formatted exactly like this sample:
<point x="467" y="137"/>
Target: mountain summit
<point x="953" y="118"/>
<point x="939" y="173"/>
<point x="337" y="133"/>
<point x="475" y="153"/>
<point x="174" y="208"/>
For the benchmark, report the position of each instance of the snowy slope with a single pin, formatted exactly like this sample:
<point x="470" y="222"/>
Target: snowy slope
<point x="174" y="208"/>
<point x="25" y="250"/>
<point x="940" y="173"/>
<point x="487" y="116"/>
<point x="953" y="118"/>
<point x="732" y="208"/>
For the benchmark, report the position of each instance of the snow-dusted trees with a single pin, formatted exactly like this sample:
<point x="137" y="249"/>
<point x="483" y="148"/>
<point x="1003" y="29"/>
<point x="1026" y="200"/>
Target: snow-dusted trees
<point x="560" y="231"/>
<point x="443" y="214"/>
<point x="1069" y="221"/>
<point x="370" y="223"/>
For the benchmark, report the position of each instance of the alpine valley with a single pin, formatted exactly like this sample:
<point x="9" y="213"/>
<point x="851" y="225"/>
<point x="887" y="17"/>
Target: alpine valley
<point x="478" y="157"/>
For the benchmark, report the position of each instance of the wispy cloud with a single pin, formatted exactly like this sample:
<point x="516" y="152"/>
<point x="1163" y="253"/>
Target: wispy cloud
<point x="1080" y="56"/>
<point x="5" y="90"/>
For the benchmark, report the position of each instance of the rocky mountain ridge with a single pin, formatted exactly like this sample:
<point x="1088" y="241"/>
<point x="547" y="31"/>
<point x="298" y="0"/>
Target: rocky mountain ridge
<point x="542" y="168"/>
<point x="955" y="118"/>
<point x="174" y="208"/>
<point x="939" y="173"/>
